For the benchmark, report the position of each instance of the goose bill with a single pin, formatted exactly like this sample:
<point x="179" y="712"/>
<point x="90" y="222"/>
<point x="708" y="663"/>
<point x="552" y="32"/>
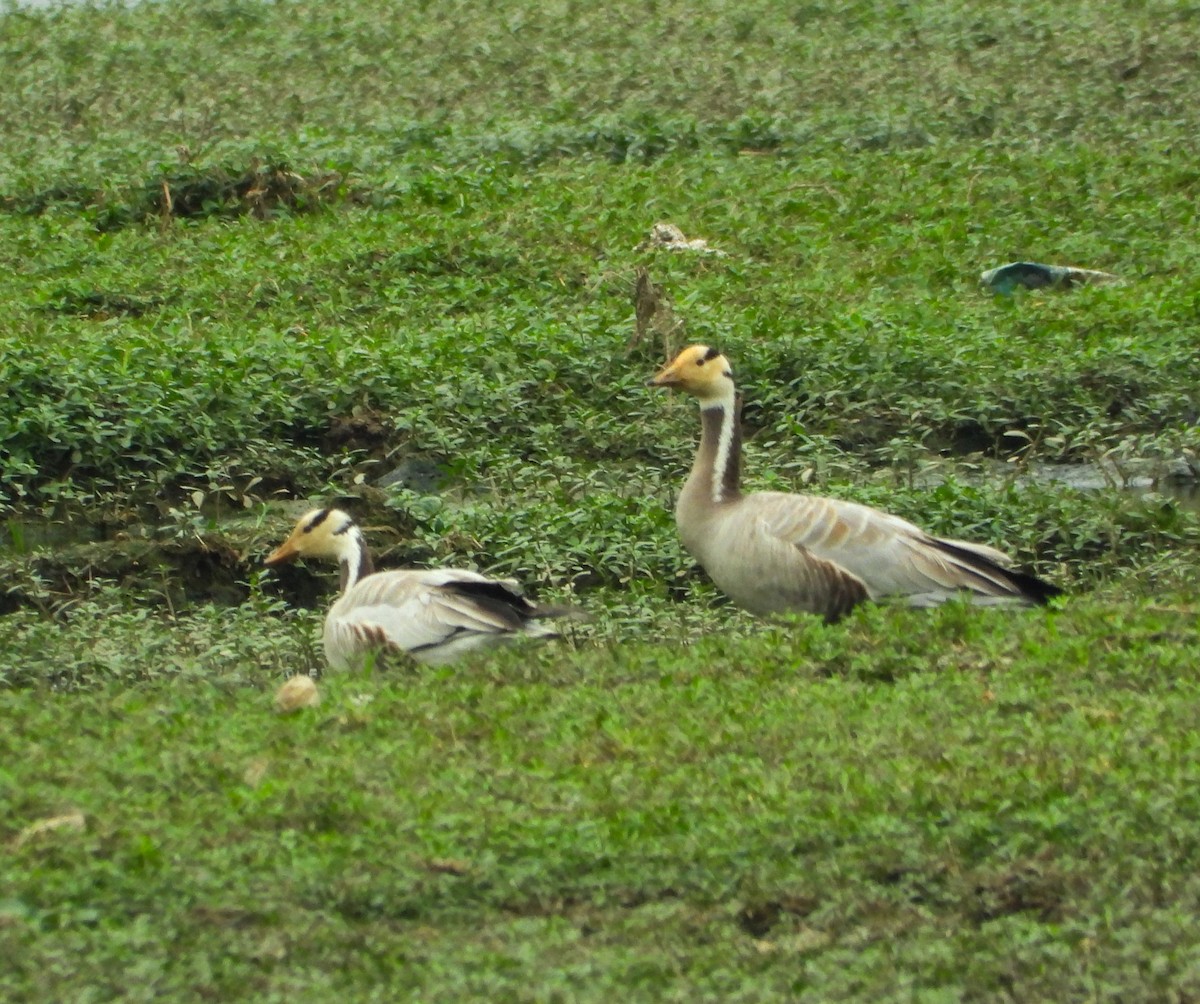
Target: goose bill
<point x="668" y="376"/>
<point x="284" y="553"/>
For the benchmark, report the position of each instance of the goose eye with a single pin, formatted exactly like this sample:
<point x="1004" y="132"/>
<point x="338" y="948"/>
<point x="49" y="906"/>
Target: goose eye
<point x="701" y="362"/>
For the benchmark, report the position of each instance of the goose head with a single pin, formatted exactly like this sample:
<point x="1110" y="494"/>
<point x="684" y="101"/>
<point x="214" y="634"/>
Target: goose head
<point x="322" y="533"/>
<point x="700" y="371"/>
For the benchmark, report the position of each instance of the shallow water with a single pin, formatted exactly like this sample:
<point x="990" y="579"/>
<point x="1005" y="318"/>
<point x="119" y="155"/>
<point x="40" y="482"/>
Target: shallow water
<point x="1093" y="477"/>
<point x="26" y="534"/>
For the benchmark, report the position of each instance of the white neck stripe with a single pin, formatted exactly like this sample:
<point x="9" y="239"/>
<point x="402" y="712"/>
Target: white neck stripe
<point x="350" y="554"/>
<point x="722" y="458"/>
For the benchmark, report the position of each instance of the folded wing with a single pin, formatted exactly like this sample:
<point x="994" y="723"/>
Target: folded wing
<point x="825" y="555"/>
<point x="431" y="615"/>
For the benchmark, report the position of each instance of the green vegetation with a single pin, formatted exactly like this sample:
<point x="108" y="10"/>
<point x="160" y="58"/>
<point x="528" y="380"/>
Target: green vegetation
<point x="258" y="254"/>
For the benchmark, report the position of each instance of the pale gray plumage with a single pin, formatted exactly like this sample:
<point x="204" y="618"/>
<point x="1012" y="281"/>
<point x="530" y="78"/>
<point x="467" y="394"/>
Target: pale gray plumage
<point x="432" y="615"/>
<point x="773" y="552"/>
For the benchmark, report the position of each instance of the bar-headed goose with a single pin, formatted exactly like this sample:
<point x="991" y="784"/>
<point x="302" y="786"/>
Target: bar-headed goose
<point x="434" y="615"/>
<point x="773" y="552"/>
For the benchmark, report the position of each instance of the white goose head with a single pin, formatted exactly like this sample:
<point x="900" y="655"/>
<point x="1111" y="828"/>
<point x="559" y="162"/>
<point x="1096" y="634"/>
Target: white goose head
<point x="702" y="372"/>
<point x="322" y="533"/>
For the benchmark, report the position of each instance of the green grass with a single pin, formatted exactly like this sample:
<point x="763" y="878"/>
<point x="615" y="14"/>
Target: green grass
<point x="838" y="812"/>
<point x="254" y="255"/>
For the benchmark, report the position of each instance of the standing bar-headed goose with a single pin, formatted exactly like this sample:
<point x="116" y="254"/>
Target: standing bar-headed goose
<point x="433" y="615"/>
<point x="774" y="552"/>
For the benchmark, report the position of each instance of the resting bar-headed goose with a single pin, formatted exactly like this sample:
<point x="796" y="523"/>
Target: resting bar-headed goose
<point x="433" y="615"/>
<point x="773" y="552"/>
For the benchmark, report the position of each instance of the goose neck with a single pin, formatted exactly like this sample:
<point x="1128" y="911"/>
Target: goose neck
<point x="718" y="464"/>
<point x="354" y="559"/>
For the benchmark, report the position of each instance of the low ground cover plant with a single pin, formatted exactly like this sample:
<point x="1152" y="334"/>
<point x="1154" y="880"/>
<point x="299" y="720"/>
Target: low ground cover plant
<point x="254" y="257"/>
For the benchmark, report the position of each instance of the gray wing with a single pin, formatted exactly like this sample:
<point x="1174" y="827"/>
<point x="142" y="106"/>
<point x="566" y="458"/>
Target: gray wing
<point x="766" y="573"/>
<point x="432" y="615"/>
<point x="889" y="555"/>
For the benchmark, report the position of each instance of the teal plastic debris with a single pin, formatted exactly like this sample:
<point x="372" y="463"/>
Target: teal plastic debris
<point x="1033" y="275"/>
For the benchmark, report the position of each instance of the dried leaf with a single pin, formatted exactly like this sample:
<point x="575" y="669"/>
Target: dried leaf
<point x="73" y="820"/>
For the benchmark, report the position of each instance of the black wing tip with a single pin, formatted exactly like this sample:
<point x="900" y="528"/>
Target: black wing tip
<point x="1034" y="589"/>
<point x="1025" y="585"/>
<point x="506" y="603"/>
<point x="513" y="605"/>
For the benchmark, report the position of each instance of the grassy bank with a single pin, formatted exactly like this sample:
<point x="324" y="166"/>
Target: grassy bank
<point x="254" y="255"/>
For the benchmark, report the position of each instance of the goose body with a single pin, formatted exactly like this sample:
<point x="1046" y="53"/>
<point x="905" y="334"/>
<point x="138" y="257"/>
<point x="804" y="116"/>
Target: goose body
<point x="775" y="552"/>
<point x="432" y="615"/>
